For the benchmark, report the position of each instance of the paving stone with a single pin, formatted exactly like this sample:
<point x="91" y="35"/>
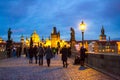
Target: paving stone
<point x="20" y="69"/>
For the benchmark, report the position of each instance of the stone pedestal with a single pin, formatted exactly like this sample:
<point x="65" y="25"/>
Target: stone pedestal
<point x="9" y="48"/>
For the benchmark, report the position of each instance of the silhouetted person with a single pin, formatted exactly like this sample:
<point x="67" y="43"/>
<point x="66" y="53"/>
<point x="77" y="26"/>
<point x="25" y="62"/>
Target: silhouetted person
<point x="25" y="51"/>
<point x="64" y="52"/>
<point x="35" y="51"/>
<point x="49" y="55"/>
<point x="40" y="54"/>
<point x="14" y="52"/>
<point x="82" y="55"/>
<point x="19" y="50"/>
<point x="31" y="54"/>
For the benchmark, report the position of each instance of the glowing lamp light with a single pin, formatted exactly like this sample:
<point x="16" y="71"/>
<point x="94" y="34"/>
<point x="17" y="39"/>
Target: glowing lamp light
<point x="82" y="26"/>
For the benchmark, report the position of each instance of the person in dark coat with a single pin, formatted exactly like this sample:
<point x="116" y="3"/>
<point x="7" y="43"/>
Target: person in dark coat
<point x="30" y="54"/>
<point x="20" y="50"/>
<point x="25" y="51"/>
<point x="64" y="52"/>
<point x="35" y="51"/>
<point x="49" y="55"/>
<point x="40" y="54"/>
<point x="82" y="55"/>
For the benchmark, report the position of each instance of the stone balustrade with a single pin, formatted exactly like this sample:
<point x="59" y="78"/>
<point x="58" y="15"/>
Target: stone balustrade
<point x="108" y="63"/>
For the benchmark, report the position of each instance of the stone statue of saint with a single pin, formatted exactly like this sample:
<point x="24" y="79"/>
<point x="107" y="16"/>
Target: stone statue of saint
<point x="72" y="34"/>
<point x="9" y="33"/>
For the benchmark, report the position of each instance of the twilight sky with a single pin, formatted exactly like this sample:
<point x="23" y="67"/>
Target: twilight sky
<point x="25" y="16"/>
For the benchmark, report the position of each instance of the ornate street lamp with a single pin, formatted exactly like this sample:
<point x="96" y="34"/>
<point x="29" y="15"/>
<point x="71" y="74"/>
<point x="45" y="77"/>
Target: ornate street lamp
<point x="82" y="27"/>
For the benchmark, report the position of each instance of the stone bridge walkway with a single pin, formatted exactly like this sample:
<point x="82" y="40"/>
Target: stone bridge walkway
<point x="20" y="69"/>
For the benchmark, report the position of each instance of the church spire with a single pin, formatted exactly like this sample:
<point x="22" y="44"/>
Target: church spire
<point x="102" y="31"/>
<point x="102" y="36"/>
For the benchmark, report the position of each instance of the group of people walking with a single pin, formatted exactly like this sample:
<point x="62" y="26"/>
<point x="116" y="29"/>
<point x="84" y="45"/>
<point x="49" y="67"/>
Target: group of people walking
<point x="39" y="52"/>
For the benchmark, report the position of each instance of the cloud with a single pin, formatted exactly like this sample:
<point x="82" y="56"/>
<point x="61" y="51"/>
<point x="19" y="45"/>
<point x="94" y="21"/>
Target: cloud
<point x="25" y="16"/>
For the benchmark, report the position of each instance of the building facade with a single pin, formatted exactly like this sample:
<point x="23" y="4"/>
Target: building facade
<point x="55" y="38"/>
<point x="104" y="46"/>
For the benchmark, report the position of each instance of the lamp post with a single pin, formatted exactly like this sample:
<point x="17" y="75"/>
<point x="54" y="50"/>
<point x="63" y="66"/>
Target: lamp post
<point x="82" y="28"/>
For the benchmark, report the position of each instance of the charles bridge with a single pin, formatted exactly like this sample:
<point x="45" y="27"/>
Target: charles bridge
<point x="98" y="67"/>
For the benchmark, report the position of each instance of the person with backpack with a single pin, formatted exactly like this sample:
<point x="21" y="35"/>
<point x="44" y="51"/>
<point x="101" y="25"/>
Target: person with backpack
<point x="40" y="54"/>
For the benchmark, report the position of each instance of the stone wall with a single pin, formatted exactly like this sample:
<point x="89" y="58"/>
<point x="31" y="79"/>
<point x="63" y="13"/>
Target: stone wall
<point x="3" y="55"/>
<point x="108" y="63"/>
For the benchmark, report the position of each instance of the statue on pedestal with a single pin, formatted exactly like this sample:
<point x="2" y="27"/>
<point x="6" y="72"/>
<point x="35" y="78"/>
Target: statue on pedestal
<point x="9" y="34"/>
<point x="72" y="40"/>
<point x="9" y="43"/>
<point x="72" y="34"/>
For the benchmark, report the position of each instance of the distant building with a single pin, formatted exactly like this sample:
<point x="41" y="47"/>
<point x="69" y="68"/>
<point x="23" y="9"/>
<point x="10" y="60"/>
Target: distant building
<point x="2" y="45"/>
<point x="97" y="46"/>
<point x="102" y="35"/>
<point x="35" y="38"/>
<point x="55" y="38"/>
<point x="102" y="45"/>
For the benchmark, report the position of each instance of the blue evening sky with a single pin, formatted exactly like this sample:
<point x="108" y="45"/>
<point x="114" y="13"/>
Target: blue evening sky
<point x="25" y="16"/>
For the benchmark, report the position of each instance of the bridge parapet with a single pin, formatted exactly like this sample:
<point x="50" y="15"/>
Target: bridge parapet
<point x="107" y="63"/>
<point x="3" y="55"/>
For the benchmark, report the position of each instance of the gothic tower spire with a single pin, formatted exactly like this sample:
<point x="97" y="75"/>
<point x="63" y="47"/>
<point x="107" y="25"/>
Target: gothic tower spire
<point x="102" y="36"/>
<point x="102" y="30"/>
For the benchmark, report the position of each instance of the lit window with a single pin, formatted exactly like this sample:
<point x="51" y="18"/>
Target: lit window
<point x="112" y="50"/>
<point x="103" y="50"/>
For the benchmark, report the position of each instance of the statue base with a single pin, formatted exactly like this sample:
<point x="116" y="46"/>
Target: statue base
<point x="8" y="48"/>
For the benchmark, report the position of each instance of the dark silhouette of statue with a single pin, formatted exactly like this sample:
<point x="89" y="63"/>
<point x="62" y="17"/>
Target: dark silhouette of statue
<point x="72" y="34"/>
<point x="9" y="34"/>
<point x="9" y="43"/>
<point x="72" y="40"/>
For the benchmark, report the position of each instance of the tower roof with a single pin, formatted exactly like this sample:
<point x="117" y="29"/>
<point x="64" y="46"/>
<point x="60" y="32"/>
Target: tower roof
<point x="102" y="31"/>
<point x="54" y="30"/>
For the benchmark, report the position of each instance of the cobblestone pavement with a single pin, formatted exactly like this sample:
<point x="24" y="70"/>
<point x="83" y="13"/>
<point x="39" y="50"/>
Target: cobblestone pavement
<point x="20" y="69"/>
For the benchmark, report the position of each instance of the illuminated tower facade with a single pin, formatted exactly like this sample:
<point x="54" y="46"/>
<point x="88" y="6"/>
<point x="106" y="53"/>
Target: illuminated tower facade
<point x="1" y="40"/>
<point x="55" y="37"/>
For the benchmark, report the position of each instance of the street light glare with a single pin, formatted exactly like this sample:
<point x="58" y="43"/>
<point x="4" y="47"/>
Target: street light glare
<point x="82" y="26"/>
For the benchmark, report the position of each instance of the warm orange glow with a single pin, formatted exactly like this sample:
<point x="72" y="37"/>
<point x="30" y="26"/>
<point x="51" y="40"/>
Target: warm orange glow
<point x="112" y="50"/>
<point x="103" y="50"/>
<point x="82" y="26"/>
<point x="35" y="38"/>
<point x="48" y="43"/>
<point x="118" y="47"/>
